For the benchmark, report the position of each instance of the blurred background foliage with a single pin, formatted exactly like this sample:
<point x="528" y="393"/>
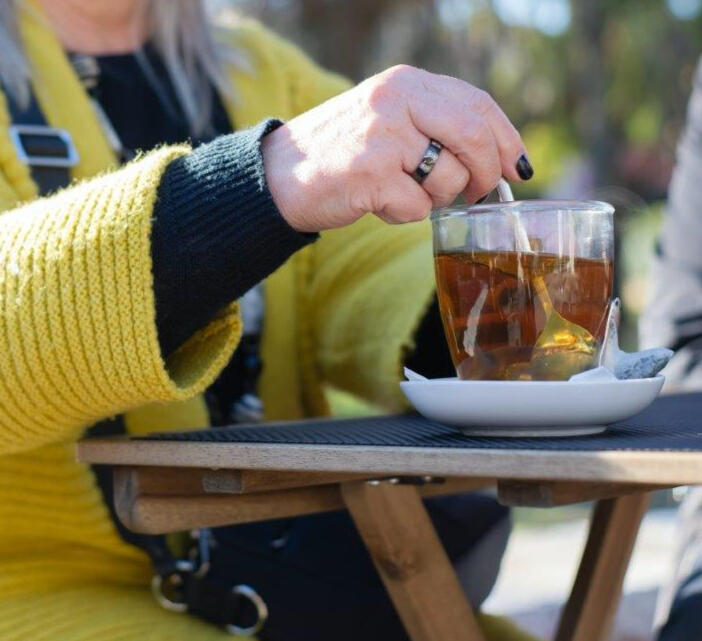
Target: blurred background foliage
<point x="597" y="87"/>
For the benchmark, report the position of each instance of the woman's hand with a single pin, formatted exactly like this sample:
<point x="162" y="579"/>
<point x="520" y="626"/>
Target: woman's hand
<point x="356" y="152"/>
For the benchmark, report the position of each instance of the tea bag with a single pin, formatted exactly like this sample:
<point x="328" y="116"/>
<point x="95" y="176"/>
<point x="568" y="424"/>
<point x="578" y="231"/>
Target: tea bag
<point x="610" y="345"/>
<point x="624" y="365"/>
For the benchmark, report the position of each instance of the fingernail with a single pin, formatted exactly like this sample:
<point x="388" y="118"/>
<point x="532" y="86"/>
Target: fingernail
<point x="524" y="168"/>
<point x="480" y="201"/>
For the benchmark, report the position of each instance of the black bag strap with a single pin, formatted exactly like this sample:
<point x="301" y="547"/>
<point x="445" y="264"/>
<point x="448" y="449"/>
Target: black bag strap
<point x="155" y="546"/>
<point x="49" y="152"/>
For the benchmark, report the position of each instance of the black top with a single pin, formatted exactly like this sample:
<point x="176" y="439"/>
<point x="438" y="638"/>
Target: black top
<point x="147" y="114"/>
<point x="216" y="230"/>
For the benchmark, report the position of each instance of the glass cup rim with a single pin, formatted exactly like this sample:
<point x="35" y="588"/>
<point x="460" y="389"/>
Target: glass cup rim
<point x="590" y="206"/>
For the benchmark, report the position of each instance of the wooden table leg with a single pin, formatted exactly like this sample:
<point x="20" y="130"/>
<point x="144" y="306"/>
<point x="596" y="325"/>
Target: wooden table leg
<point x="590" y="611"/>
<point x="411" y="561"/>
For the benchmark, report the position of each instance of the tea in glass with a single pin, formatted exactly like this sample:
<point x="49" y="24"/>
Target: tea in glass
<point x="511" y="314"/>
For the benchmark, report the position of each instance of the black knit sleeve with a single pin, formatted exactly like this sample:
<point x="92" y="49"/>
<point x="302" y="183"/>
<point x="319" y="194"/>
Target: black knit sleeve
<point x="216" y="233"/>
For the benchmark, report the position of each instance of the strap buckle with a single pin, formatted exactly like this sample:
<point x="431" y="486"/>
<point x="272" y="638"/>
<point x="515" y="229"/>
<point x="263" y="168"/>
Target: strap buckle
<point x="255" y="601"/>
<point x="184" y="587"/>
<point x="168" y="589"/>
<point x="65" y="159"/>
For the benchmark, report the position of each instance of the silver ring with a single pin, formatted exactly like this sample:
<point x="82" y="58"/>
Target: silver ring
<point x="431" y="155"/>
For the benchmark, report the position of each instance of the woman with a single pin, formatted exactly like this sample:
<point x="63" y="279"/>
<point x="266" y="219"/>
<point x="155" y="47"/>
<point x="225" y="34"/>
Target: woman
<point x="117" y="292"/>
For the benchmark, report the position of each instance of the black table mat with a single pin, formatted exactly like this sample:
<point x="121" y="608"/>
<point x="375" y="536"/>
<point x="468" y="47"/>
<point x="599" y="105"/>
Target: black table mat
<point x="671" y="423"/>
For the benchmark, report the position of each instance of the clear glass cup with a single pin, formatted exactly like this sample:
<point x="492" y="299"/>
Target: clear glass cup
<point x="524" y="287"/>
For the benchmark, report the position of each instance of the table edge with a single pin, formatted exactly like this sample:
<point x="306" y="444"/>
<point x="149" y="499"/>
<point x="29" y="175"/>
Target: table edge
<point x="625" y="466"/>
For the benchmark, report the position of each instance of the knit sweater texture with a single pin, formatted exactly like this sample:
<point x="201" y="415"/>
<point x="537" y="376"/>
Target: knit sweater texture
<point x="78" y="341"/>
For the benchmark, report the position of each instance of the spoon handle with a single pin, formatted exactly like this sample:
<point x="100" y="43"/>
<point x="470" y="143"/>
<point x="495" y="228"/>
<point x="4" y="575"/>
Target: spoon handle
<point x="504" y="192"/>
<point x="543" y="295"/>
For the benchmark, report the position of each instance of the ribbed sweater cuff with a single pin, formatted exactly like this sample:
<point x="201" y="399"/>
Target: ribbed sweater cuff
<point x="216" y="233"/>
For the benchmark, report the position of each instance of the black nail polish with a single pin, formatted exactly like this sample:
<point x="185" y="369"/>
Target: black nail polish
<point x="480" y="201"/>
<point x="524" y="168"/>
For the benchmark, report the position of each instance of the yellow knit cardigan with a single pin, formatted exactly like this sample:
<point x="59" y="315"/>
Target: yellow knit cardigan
<point x="78" y="342"/>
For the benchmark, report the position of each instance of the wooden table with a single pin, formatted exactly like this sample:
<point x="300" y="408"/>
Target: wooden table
<point x="168" y="486"/>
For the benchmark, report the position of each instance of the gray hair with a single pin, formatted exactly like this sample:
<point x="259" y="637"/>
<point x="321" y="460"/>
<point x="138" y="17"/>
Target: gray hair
<point x="181" y="33"/>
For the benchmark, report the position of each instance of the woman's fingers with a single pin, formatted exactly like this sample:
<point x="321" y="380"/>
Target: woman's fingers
<point x="449" y="176"/>
<point x="510" y="145"/>
<point x="466" y="135"/>
<point x="482" y="157"/>
<point x="404" y="201"/>
<point x="472" y="126"/>
<point x="447" y="180"/>
<point x="511" y="148"/>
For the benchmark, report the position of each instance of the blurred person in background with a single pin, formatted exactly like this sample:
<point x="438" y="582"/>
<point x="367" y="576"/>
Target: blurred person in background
<point x="674" y="319"/>
<point x="119" y="272"/>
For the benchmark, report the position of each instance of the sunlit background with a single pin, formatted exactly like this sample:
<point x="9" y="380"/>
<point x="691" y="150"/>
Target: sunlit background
<point x="598" y="89"/>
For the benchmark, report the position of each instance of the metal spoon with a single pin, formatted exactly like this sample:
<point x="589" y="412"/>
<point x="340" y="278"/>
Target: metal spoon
<point x="573" y="344"/>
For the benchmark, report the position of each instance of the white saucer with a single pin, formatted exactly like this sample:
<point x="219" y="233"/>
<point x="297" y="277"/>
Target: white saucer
<point x="530" y="408"/>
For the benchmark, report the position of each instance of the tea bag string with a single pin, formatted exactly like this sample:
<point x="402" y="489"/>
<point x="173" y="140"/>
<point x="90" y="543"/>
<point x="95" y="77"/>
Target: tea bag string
<point x="504" y="192"/>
